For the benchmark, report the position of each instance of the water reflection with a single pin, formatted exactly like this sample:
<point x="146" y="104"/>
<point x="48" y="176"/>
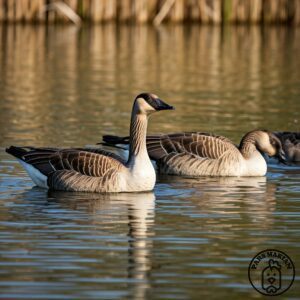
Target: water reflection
<point x="70" y="210"/>
<point x="90" y="241"/>
<point x="141" y="221"/>
<point x="61" y="73"/>
<point x="63" y="87"/>
<point x="253" y="198"/>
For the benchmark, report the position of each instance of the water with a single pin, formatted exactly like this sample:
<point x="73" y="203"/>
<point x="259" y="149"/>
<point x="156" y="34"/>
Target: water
<point x="190" y="237"/>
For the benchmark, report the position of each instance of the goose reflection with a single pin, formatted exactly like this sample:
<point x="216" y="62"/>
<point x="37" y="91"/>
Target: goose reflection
<point x="137" y="209"/>
<point x="255" y="197"/>
<point x="141" y="220"/>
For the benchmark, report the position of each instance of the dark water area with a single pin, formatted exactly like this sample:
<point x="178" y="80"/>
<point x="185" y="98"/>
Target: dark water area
<point x="187" y="239"/>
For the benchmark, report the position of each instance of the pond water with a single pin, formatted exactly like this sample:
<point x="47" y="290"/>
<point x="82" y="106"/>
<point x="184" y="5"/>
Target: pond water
<point x="60" y="86"/>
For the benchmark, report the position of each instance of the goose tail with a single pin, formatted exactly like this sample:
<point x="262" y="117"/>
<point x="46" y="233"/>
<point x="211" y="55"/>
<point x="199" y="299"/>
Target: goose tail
<point x="115" y="141"/>
<point x="36" y="175"/>
<point x="17" y="152"/>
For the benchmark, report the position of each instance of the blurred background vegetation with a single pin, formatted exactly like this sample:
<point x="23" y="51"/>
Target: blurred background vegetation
<point x="151" y="11"/>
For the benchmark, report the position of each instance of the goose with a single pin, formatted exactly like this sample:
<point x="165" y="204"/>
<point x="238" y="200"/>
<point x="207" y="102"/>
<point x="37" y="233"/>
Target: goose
<point x="97" y="170"/>
<point x="291" y="145"/>
<point x="204" y="154"/>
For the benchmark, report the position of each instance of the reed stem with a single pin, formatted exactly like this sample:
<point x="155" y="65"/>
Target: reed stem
<point x="152" y="11"/>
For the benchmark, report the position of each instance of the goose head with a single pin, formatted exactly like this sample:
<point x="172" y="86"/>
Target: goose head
<point x="147" y="103"/>
<point x="269" y="143"/>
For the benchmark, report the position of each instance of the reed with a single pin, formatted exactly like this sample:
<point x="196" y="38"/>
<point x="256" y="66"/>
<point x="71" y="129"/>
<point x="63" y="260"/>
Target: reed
<point x="152" y="11"/>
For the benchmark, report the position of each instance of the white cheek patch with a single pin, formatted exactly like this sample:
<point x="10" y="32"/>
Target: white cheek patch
<point x="144" y="106"/>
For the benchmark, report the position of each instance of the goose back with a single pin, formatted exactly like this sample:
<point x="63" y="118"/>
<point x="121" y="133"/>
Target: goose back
<point x="194" y="154"/>
<point x="77" y="169"/>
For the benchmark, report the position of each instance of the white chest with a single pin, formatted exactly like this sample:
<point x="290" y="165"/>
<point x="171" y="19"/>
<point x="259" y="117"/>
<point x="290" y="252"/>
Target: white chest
<point x="255" y="165"/>
<point x="141" y="175"/>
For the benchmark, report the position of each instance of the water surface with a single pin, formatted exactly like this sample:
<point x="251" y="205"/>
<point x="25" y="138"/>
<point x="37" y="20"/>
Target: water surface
<point x="190" y="237"/>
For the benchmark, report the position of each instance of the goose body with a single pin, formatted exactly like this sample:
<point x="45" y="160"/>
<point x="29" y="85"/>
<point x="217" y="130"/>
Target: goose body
<point x="203" y="154"/>
<point x="96" y="170"/>
<point x="291" y="145"/>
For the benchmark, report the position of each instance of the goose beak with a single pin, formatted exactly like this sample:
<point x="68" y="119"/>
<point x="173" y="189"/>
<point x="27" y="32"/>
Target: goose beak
<point x="161" y="105"/>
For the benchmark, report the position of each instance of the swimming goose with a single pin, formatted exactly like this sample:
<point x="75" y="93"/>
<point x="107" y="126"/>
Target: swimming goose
<point x="291" y="144"/>
<point x="96" y="170"/>
<point x="203" y="154"/>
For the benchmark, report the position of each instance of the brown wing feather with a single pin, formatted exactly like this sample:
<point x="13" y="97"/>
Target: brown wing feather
<point x="90" y="162"/>
<point x="103" y="152"/>
<point x="70" y="180"/>
<point x="202" y="145"/>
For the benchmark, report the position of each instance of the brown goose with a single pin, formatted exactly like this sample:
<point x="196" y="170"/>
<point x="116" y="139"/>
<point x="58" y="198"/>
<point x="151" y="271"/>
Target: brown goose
<point x="291" y="145"/>
<point x="203" y="154"/>
<point x="96" y="170"/>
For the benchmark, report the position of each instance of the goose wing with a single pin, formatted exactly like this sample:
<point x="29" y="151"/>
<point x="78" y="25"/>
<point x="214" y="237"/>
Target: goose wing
<point x="201" y="145"/>
<point x="193" y="154"/>
<point x="89" y="162"/>
<point x="197" y="143"/>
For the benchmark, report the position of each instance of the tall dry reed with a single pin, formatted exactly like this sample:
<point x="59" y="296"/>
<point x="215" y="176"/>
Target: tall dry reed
<point x="148" y="11"/>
